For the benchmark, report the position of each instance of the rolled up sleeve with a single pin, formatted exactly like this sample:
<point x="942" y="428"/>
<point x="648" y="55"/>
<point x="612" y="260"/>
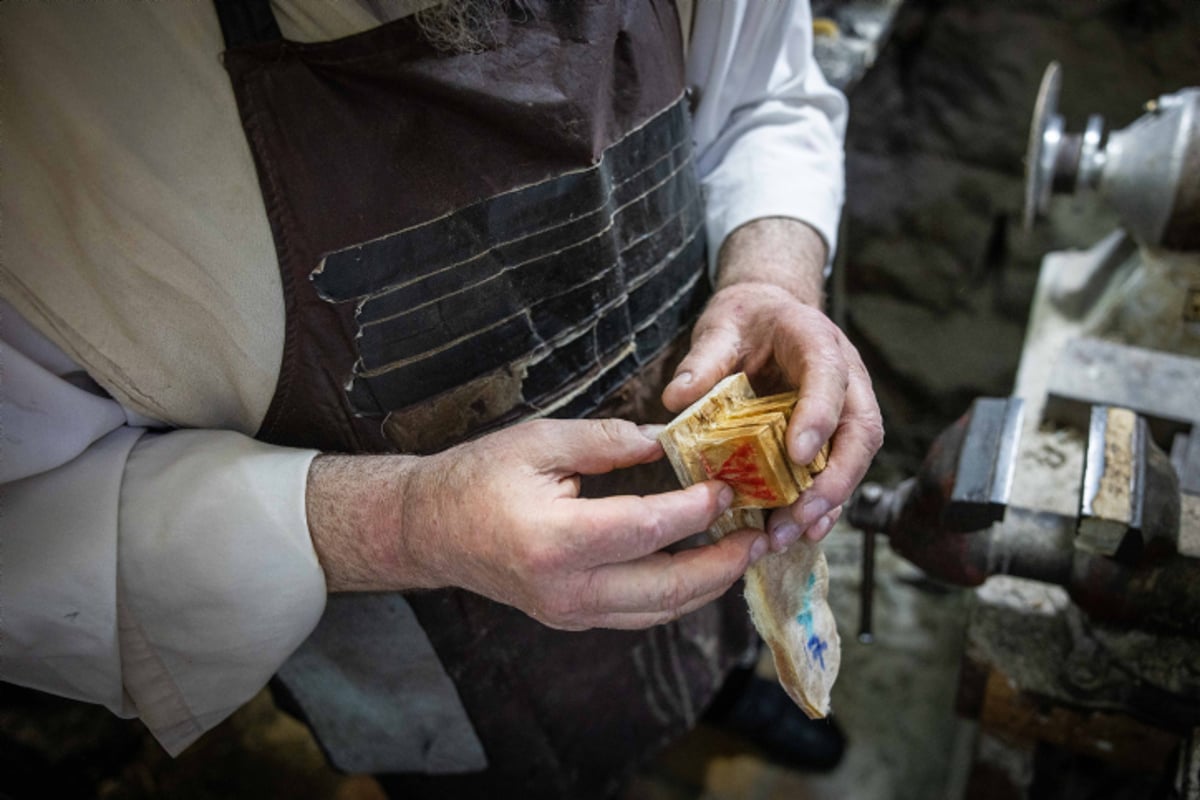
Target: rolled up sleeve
<point x="219" y="582"/>
<point x="769" y="129"/>
<point x="163" y="575"/>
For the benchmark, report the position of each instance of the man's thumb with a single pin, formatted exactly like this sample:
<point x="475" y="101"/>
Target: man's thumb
<point x="596" y="446"/>
<point x="714" y="355"/>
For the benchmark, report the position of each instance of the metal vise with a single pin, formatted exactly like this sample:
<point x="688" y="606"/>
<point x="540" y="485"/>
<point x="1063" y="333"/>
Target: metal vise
<point x="1117" y="558"/>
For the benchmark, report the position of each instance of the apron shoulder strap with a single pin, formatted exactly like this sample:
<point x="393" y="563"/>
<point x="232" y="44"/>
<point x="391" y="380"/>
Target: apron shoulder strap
<point x="246" y="22"/>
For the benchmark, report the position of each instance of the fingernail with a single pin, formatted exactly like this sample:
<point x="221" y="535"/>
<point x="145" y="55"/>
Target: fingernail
<point x="651" y="431"/>
<point x="807" y="444"/>
<point x="812" y="510"/>
<point x="725" y="497"/>
<point x="683" y="378"/>
<point x="785" y="534"/>
<point x="758" y="549"/>
<point x="818" y="530"/>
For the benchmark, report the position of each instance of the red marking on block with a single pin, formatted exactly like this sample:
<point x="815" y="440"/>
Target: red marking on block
<point x="741" y="472"/>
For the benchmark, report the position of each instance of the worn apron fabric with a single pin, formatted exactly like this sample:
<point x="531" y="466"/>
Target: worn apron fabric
<point x="467" y="241"/>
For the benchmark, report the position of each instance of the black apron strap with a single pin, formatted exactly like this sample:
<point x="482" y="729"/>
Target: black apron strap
<point x="246" y="22"/>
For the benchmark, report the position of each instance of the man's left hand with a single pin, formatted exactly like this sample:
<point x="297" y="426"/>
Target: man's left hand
<point x="765" y="319"/>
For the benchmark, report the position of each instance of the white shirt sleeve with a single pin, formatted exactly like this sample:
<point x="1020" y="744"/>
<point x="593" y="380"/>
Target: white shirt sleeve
<point x="165" y="576"/>
<point x="768" y="128"/>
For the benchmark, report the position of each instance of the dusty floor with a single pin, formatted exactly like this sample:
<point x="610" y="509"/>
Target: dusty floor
<point x="938" y="282"/>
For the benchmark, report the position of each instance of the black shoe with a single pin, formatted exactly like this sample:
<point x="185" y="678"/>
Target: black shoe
<point x="761" y="712"/>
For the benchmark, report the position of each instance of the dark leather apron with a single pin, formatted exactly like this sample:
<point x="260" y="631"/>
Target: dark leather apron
<point x="466" y="241"/>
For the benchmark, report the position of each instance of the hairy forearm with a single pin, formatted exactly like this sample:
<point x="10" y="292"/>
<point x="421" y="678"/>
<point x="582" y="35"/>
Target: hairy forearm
<point x="500" y="516"/>
<point x="780" y="251"/>
<point x="355" y="508"/>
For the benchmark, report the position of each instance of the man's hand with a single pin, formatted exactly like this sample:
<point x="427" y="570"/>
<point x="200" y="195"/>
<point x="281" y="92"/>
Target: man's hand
<point x="765" y="319"/>
<point x="502" y="516"/>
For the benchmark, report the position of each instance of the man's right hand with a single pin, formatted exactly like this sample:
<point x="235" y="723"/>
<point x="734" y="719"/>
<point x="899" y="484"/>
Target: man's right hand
<point x="501" y="516"/>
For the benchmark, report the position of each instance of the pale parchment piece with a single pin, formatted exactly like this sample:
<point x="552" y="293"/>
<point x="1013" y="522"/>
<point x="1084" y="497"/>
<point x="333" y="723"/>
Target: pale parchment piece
<point x="788" y="598"/>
